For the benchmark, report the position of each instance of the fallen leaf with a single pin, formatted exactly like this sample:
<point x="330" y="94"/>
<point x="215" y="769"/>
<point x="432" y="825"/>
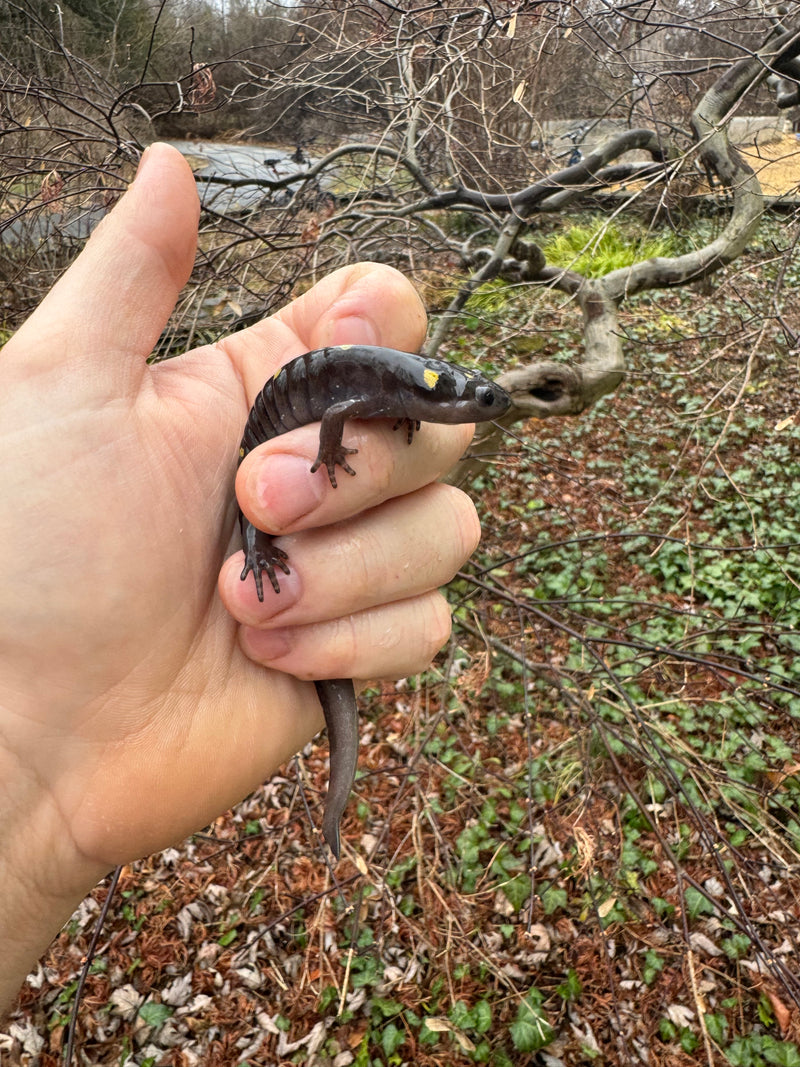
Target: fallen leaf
<point x="440" y="1025"/>
<point x="783" y="1016"/>
<point x="606" y="907"/>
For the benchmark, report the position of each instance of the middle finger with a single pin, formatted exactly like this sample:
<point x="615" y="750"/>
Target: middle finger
<point x="405" y="546"/>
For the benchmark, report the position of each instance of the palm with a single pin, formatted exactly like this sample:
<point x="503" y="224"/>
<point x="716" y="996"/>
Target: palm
<point x="148" y="672"/>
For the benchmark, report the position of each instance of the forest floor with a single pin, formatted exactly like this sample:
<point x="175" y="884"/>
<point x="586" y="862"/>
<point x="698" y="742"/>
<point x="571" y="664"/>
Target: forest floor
<point x="577" y="838"/>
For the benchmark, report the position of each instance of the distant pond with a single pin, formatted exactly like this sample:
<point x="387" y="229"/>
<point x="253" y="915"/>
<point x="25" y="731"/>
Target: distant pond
<point x="238" y="162"/>
<point x="215" y="160"/>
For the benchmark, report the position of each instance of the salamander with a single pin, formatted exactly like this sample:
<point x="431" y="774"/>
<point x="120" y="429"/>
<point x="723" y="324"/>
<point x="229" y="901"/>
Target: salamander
<point x="331" y="385"/>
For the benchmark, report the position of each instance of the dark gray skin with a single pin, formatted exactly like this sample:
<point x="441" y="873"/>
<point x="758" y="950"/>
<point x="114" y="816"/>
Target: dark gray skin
<point x="332" y="385"/>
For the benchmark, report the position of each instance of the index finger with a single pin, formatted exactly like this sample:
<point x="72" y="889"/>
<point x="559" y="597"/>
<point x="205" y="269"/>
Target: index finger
<point x="277" y="492"/>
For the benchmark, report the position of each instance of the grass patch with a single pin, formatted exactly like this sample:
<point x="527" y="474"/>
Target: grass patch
<point x="600" y="247"/>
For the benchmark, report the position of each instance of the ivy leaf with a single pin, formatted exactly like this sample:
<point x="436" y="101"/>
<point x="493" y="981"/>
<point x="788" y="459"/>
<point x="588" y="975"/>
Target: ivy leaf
<point x="531" y="1030"/>
<point x="517" y="890"/>
<point x="153" y="1014"/>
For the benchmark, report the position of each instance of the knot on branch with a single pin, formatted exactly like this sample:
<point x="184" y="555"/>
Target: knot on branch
<point x="543" y="390"/>
<point x="525" y="263"/>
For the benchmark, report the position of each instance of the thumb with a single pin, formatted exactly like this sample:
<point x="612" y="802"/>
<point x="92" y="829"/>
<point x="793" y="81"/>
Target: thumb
<point x="113" y="302"/>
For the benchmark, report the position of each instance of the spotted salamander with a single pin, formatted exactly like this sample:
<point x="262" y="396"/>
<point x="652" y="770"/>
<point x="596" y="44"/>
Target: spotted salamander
<point x="331" y="385"/>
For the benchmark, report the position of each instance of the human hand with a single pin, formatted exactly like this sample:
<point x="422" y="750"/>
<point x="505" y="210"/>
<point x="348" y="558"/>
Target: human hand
<point x="132" y="708"/>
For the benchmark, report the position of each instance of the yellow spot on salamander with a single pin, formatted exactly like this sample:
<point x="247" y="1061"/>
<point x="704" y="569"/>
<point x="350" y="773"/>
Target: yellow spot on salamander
<point x="241" y="453"/>
<point x="277" y="373"/>
<point x="345" y="348"/>
<point x="430" y="377"/>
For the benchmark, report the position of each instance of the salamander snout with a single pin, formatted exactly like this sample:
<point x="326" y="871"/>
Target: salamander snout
<point x="493" y="398"/>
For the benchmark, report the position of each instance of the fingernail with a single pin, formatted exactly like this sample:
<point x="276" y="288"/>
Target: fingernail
<point x="152" y="152"/>
<point x="142" y="161"/>
<point x="352" y="330"/>
<point x="265" y="645"/>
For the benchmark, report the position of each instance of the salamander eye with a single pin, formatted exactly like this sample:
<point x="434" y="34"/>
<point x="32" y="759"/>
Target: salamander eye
<point x="484" y="394"/>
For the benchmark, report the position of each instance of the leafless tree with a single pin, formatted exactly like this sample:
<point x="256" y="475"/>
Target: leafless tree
<point x="446" y="101"/>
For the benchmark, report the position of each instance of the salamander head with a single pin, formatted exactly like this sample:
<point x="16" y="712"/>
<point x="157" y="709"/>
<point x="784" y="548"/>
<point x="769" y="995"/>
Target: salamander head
<point x="455" y="394"/>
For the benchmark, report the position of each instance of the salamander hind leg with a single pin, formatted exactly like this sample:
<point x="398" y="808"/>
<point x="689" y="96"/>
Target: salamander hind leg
<point x="262" y="554"/>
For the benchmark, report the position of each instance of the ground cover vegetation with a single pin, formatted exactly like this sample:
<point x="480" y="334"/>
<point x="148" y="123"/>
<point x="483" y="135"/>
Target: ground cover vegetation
<point x="576" y="839"/>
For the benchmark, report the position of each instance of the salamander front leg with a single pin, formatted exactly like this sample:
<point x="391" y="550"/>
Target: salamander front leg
<point x="412" y="426"/>
<point x="332" y="452"/>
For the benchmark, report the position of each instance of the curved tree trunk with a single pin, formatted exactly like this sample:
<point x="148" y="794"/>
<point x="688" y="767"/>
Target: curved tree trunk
<point x="546" y="389"/>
